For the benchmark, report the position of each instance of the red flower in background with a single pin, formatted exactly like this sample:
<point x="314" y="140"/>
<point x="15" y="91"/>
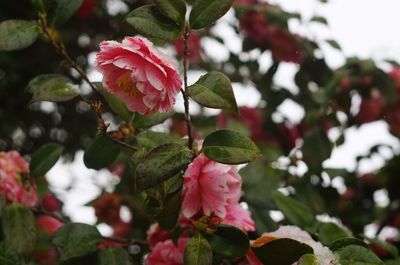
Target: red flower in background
<point x="392" y="113"/>
<point x="283" y="45"/>
<point x="371" y="109"/>
<point x="194" y="47"/>
<point x="15" y="184"/>
<point x="255" y="27"/>
<point x="252" y="118"/>
<point x="86" y="9"/>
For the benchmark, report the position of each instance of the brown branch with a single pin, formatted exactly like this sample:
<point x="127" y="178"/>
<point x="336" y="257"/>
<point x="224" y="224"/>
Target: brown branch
<point x="184" y="91"/>
<point x="60" y="48"/>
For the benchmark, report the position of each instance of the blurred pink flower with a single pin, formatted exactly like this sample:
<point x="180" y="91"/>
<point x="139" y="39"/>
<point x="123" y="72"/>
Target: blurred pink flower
<point x="209" y="187"/>
<point x="167" y="253"/>
<point x="139" y="75"/>
<point x="156" y="234"/>
<point x="13" y="185"/>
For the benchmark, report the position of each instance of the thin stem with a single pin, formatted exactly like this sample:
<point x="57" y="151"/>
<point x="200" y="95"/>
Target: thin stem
<point x="185" y="83"/>
<point x="60" y="48"/>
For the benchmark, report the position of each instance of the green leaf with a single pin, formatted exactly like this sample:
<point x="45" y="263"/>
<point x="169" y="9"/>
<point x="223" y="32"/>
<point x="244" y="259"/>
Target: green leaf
<point x="44" y="158"/>
<point x="316" y="149"/>
<point x="115" y="104"/>
<point x="230" y="147"/>
<point x="343" y="242"/>
<point x="334" y="44"/>
<point x="17" y="34"/>
<point x="297" y="213"/>
<point x="282" y="251"/>
<point x="63" y="11"/>
<point x="168" y="216"/>
<point x="52" y="87"/>
<point x="320" y="20"/>
<point x="76" y="240"/>
<point x="174" y="9"/>
<point x="101" y="153"/>
<point x="142" y="121"/>
<point x="8" y="256"/>
<point x="19" y="229"/>
<point x="229" y="241"/>
<point x="160" y="164"/>
<point x="150" y="139"/>
<point x="214" y="90"/>
<point x="357" y="255"/>
<point x="206" y="12"/>
<point x="198" y="251"/>
<point x="151" y="23"/>
<point x="113" y="256"/>
<point x="330" y="232"/>
<point x="308" y="259"/>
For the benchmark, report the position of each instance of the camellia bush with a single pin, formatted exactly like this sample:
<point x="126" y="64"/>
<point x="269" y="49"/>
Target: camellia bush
<point x="243" y="186"/>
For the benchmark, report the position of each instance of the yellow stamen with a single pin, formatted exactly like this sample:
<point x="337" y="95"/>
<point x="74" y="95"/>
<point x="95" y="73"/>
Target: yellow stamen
<point x="126" y="83"/>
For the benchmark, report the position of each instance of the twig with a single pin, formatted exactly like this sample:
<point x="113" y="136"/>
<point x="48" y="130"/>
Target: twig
<point x="184" y="91"/>
<point x="60" y="48"/>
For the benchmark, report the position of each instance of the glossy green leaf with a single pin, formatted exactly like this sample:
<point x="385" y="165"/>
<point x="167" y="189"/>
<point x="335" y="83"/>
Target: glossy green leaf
<point x="174" y="9"/>
<point x="357" y="255"/>
<point x="150" y="139"/>
<point x="8" y="256"/>
<point x="343" y="242"/>
<point x="282" y="251"/>
<point x="101" y="153"/>
<point x="19" y="229"/>
<point x="229" y="241"/>
<point x="160" y="164"/>
<point x="116" y="105"/>
<point x="169" y="215"/>
<point x="206" y="12"/>
<point x="330" y="232"/>
<point x="230" y="147"/>
<point x="146" y="121"/>
<point x="308" y="259"/>
<point x="52" y="87"/>
<point x="17" y="34"/>
<point x="76" y="240"/>
<point x="198" y="251"/>
<point x="151" y="23"/>
<point x="297" y="213"/>
<point x="214" y="90"/>
<point x="44" y="158"/>
<point x="63" y="11"/>
<point x="113" y="256"/>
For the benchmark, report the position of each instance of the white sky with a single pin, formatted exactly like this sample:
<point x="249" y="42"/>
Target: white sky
<point x="364" y="28"/>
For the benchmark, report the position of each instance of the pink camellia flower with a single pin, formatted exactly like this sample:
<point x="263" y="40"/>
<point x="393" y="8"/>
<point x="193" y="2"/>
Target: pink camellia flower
<point x="239" y="217"/>
<point x="167" y="253"/>
<point x="14" y="184"/>
<point x="255" y="27"/>
<point x="139" y="75"/>
<point x="156" y="234"/>
<point x="209" y="187"/>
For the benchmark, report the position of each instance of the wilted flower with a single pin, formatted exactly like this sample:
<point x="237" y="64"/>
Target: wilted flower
<point x="139" y="75"/>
